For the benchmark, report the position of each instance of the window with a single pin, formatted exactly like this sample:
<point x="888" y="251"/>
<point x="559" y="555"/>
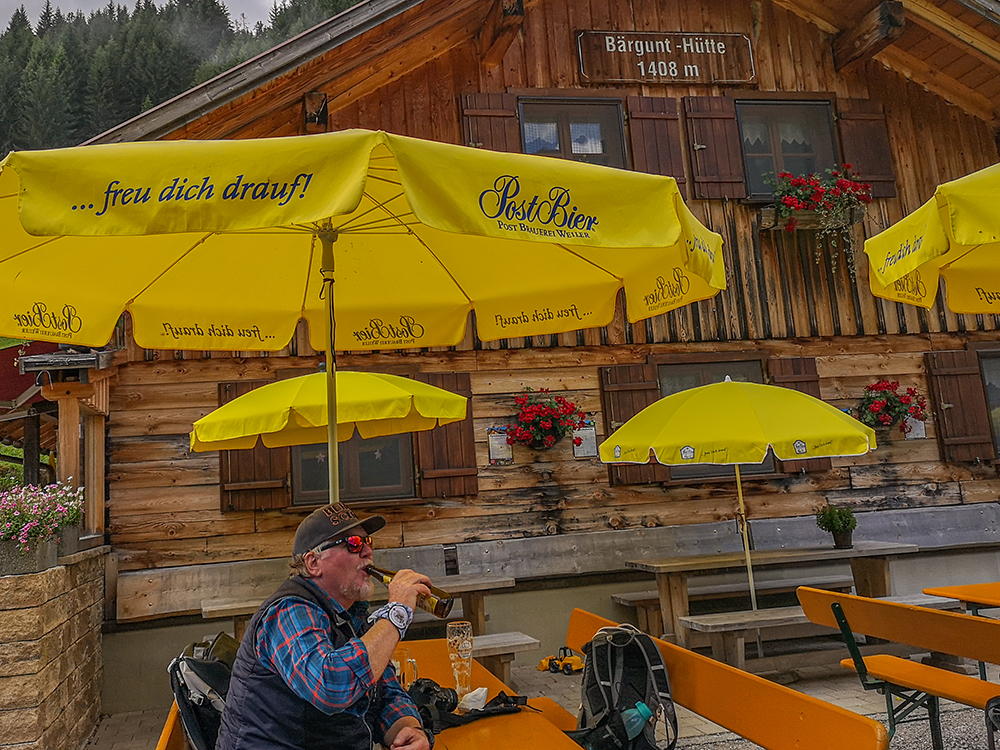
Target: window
<point x="581" y="130"/>
<point x="674" y="378"/>
<point x="989" y="363"/>
<point x="796" y="137"/>
<point x="379" y="468"/>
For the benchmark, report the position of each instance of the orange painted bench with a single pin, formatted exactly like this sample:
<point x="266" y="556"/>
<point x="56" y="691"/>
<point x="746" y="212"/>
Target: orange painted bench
<point x="172" y="737"/>
<point x="915" y="685"/>
<point x="771" y="715"/>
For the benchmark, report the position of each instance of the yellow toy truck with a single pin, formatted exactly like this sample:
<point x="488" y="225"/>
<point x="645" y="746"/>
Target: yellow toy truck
<point x="567" y="662"/>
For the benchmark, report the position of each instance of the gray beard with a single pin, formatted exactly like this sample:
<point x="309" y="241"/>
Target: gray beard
<point x="358" y="593"/>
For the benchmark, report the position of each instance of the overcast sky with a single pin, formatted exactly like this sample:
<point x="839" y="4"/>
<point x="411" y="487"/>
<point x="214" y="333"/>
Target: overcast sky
<point x="254" y="10"/>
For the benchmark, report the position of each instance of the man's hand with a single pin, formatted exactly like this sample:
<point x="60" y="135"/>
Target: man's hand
<point x="410" y="738"/>
<point x="407" y="585"/>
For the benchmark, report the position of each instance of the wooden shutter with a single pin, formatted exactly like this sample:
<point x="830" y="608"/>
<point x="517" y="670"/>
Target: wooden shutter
<point x="491" y="121"/>
<point x="799" y="374"/>
<point x="447" y="454"/>
<point x="714" y="140"/>
<point x="961" y="412"/>
<point x="864" y="143"/>
<point x="253" y="479"/>
<point x="625" y="391"/>
<point x="655" y="136"/>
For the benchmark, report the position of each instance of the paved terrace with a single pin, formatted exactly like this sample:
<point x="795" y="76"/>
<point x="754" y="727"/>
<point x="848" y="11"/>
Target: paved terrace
<point x="963" y="727"/>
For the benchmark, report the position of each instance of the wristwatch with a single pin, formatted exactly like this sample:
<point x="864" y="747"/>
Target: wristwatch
<point x="396" y="613"/>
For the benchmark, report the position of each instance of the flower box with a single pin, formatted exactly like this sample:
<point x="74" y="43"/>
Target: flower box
<point x="805" y="219"/>
<point x="13" y="561"/>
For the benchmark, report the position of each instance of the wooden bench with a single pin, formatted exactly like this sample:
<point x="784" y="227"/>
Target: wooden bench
<point x="771" y="715"/>
<point x="172" y="736"/>
<point x="728" y="631"/>
<point x="647" y="603"/>
<point x="496" y="651"/>
<point x="915" y="685"/>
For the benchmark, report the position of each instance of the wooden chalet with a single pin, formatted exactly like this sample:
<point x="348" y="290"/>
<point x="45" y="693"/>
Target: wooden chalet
<point x="716" y="93"/>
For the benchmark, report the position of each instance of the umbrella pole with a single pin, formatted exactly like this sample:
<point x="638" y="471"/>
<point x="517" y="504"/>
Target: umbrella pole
<point x="746" y="551"/>
<point x="327" y="238"/>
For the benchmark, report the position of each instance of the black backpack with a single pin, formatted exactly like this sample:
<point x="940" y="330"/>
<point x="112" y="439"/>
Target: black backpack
<point x="199" y="678"/>
<point x="623" y="667"/>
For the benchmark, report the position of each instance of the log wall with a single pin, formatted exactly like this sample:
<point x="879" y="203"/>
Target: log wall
<point x="163" y="503"/>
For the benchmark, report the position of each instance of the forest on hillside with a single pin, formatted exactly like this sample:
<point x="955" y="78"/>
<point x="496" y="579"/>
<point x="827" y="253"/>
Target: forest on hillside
<point x="71" y="76"/>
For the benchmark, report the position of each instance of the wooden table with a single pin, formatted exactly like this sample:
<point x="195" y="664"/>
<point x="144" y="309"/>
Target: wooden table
<point x="972" y="596"/>
<point x="525" y="729"/>
<point x="472" y="588"/>
<point x="869" y="566"/>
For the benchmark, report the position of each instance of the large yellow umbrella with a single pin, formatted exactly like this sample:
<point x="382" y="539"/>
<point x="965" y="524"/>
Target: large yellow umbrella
<point x="733" y="423"/>
<point x="294" y="411"/>
<point x="955" y="236"/>
<point x="378" y="241"/>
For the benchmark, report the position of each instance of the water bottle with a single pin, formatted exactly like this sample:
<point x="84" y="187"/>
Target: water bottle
<point x="635" y="719"/>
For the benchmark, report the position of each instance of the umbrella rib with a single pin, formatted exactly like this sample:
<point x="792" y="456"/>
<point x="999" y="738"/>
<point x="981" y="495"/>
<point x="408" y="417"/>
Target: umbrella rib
<point x="33" y="247"/>
<point x="169" y="266"/>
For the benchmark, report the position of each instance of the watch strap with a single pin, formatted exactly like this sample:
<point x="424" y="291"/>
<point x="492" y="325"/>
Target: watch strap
<point x="385" y="613"/>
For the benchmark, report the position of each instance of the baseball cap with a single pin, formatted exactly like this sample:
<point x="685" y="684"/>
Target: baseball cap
<point x="331" y="522"/>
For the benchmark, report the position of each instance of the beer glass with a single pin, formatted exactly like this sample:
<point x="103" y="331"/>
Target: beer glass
<point x="405" y="666"/>
<point x="460" y="652"/>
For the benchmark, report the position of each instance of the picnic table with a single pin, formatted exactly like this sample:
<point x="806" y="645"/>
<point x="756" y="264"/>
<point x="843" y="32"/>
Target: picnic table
<point x="869" y="566"/>
<point x="526" y="728"/>
<point x="972" y="597"/>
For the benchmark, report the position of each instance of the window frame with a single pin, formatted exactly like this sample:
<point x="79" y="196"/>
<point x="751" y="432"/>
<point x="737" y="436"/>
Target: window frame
<point x="351" y="490"/>
<point x="603" y="104"/>
<point x="742" y="102"/>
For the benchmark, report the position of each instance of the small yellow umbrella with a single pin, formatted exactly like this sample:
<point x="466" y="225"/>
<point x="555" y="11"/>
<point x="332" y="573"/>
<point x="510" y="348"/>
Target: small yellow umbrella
<point x="294" y="411"/>
<point x="737" y="423"/>
<point x="955" y="236"/>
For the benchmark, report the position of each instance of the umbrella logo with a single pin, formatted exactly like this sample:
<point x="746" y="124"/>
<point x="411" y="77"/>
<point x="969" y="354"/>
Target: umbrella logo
<point x="687" y="453"/>
<point x="408" y="331"/>
<point x="39" y="319"/>
<point x="910" y="285"/>
<point x="666" y="292"/>
<point x="618" y="451"/>
<point x="800" y="447"/>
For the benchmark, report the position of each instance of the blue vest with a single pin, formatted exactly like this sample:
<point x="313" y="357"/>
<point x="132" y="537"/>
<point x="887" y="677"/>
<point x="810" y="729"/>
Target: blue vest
<point x="262" y="712"/>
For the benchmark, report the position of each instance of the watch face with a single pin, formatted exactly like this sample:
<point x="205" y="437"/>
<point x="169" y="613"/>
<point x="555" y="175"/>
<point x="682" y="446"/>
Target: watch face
<point x="397" y="616"/>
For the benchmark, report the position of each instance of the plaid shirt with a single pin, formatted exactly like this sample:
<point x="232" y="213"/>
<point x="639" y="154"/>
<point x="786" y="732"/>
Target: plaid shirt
<point x="293" y="640"/>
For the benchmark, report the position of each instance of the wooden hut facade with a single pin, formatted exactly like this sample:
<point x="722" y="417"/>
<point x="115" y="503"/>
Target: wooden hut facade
<point x="716" y="93"/>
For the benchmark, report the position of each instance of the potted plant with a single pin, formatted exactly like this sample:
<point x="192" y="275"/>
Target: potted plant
<point x="840" y="522"/>
<point x="828" y="204"/>
<point x="30" y="520"/>
<point x="543" y="420"/>
<point x="882" y="406"/>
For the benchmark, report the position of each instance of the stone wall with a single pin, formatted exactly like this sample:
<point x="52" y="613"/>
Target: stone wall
<point x="50" y="654"/>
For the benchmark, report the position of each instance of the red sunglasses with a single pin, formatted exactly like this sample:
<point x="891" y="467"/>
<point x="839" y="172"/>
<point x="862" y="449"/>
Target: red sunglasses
<point x="354" y="543"/>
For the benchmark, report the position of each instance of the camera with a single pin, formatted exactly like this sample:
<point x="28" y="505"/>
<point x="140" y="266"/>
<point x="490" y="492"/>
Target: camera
<point x="425" y="692"/>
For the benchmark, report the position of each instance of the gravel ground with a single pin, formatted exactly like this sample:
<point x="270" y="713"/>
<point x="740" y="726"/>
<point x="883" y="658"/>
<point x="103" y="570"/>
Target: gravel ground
<point x="962" y="729"/>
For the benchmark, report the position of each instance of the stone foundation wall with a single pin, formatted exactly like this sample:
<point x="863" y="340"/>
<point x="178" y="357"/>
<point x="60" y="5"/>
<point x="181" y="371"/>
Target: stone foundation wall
<point x="50" y="654"/>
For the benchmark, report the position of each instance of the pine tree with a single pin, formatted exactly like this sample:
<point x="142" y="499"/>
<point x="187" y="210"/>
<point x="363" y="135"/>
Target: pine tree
<point x="44" y="119"/>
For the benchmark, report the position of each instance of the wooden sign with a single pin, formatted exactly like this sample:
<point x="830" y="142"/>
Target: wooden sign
<point x="664" y="57"/>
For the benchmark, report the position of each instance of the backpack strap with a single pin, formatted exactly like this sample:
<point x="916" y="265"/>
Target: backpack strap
<point x="661" y="683"/>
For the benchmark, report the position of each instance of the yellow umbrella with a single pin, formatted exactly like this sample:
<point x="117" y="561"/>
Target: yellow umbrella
<point x="294" y="411"/>
<point x="955" y="236"/>
<point x="378" y="241"/>
<point x="735" y="423"/>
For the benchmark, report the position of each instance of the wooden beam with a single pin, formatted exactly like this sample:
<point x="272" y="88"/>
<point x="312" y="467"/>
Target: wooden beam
<point x="876" y="30"/>
<point x="931" y="79"/>
<point x="812" y="11"/>
<point x="502" y="25"/>
<point x="945" y="26"/>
